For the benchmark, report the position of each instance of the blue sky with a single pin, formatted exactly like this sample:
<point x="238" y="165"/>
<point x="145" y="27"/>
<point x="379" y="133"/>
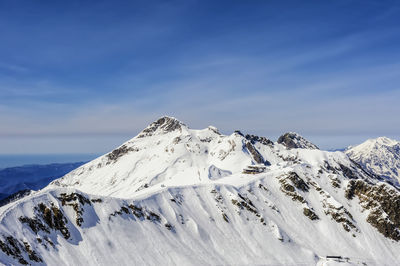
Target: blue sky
<point x="84" y="76"/>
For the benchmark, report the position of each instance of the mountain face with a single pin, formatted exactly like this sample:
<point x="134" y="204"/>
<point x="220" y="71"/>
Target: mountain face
<point x="380" y="156"/>
<point x="174" y="195"/>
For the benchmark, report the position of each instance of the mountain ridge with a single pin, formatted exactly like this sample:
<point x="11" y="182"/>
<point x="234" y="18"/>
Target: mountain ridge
<point x="206" y="198"/>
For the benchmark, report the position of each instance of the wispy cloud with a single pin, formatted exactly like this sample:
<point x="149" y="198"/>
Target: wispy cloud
<point x="109" y="71"/>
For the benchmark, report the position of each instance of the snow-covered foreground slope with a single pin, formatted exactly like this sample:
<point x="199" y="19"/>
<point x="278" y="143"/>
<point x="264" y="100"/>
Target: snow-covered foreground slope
<point x="173" y="195"/>
<point x="380" y="156"/>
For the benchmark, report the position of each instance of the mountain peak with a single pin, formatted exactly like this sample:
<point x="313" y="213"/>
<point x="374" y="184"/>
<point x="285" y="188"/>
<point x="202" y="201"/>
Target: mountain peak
<point x="373" y="144"/>
<point x="164" y="124"/>
<point x="292" y="140"/>
<point x="384" y="141"/>
<point x="380" y="156"/>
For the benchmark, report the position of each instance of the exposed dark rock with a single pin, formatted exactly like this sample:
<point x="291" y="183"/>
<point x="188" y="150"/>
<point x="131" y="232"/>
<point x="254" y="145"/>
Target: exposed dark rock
<point x="46" y="219"/>
<point x="340" y="215"/>
<point x="257" y="157"/>
<point x="347" y="172"/>
<point x="217" y="196"/>
<point x="214" y="129"/>
<point x="14" y="248"/>
<point x="96" y="200"/>
<point x="298" y="182"/>
<point x="328" y="167"/>
<point x="290" y="182"/>
<point x="225" y="217"/>
<point x="119" y="152"/>
<point x="295" y="141"/>
<point x="166" y="124"/>
<point x="73" y="197"/>
<point x="152" y="216"/>
<point x="383" y="202"/>
<point x="33" y="256"/>
<point x="254" y="169"/>
<point x="253" y="139"/>
<point x="263" y="187"/>
<point x="178" y="199"/>
<point x="335" y="181"/>
<point x="310" y="214"/>
<point x="76" y="201"/>
<point x="34" y="223"/>
<point x="139" y="212"/>
<point x="169" y="227"/>
<point x="245" y="203"/>
<point x="238" y="132"/>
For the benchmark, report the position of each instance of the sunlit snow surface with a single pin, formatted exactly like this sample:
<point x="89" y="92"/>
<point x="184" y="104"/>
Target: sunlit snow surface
<point x="209" y="211"/>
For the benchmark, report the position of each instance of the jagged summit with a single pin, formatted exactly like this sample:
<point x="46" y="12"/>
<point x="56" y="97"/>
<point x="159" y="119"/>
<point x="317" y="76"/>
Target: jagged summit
<point x="163" y="125"/>
<point x="293" y="140"/>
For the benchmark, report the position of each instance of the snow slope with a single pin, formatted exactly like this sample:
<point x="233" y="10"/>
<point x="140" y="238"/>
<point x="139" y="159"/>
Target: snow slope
<point x="380" y="156"/>
<point x="177" y="196"/>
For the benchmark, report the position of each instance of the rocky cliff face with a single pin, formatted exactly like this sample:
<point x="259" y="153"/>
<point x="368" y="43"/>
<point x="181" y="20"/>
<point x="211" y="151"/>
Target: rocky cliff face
<point x="295" y="141"/>
<point x="201" y="198"/>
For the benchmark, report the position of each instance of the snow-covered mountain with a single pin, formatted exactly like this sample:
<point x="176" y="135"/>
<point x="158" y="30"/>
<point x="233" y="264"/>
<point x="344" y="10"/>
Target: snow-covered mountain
<point x="380" y="156"/>
<point x="174" y="195"/>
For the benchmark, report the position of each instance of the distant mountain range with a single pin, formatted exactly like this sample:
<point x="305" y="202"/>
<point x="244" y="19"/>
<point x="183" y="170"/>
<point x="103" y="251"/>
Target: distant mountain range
<point x="31" y="177"/>
<point x="179" y="196"/>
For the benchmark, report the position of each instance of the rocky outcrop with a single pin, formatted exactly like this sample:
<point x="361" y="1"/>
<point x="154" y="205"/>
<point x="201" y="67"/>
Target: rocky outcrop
<point x="310" y="214"/>
<point x="76" y="201"/>
<point x="295" y="141"/>
<point x="47" y="218"/>
<point x="291" y="183"/>
<point x="382" y="201"/>
<point x="19" y="250"/>
<point x="119" y="152"/>
<point x="263" y="140"/>
<point x="257" y="157"/>
<point x="164" y="125"/>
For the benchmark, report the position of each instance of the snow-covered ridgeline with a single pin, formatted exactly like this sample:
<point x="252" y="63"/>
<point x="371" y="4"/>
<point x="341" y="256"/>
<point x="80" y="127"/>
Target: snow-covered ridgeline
<point x="204" y="198"/>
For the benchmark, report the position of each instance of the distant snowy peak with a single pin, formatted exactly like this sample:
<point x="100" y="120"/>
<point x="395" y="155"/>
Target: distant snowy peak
<point x="293" y="140"/>
<point x="380" y="156"/>
<point x="374" y="144"/>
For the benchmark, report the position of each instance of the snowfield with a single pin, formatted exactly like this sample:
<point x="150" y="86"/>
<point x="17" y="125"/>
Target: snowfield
<point x="177" y="196"/>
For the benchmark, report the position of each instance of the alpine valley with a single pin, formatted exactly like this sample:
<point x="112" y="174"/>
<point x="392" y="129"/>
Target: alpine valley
<point x="178" y="196"/>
